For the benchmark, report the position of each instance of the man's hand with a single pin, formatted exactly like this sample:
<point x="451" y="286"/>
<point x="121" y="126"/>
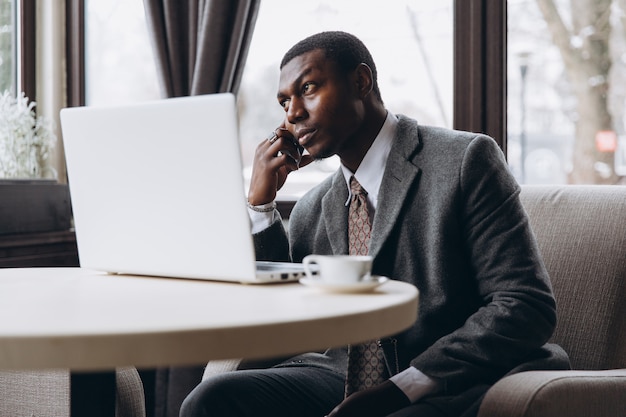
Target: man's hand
<point x="274" y="159"/>
<point x="377" y="401"/>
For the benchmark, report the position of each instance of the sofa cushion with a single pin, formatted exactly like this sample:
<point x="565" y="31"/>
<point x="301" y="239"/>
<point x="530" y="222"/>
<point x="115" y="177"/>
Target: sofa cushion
<point x="581" y="232"/>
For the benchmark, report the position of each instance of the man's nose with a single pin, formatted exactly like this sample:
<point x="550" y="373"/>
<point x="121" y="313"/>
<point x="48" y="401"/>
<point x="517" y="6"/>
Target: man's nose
<point x="296" y="111"/>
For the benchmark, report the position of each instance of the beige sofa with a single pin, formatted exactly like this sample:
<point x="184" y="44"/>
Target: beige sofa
<point x="581" y="231"/>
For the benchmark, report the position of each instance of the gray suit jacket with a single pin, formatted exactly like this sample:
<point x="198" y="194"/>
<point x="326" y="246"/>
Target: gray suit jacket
<point x="449" y="221"/>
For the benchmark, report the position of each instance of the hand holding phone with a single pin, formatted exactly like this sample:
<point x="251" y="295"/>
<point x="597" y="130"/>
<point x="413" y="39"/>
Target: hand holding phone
<point x="282" y="132"/>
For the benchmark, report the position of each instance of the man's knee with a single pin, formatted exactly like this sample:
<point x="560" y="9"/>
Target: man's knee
<point x="214" y="397"/>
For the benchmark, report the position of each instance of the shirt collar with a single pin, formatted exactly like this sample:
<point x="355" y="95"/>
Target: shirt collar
<point x="370" y="171"/>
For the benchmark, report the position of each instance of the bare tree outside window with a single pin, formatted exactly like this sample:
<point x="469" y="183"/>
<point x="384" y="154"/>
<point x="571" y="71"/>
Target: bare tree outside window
<point x="570" y="56"/>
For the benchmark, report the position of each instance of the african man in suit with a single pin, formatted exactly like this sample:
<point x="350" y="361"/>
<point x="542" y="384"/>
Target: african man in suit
<point x="446" y="218"/>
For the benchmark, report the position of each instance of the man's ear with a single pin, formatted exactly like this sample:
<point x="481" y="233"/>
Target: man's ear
<point x="364" y="79"/>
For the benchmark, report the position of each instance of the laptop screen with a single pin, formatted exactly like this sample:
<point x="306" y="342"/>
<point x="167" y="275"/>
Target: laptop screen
<point x="157" y="188"/>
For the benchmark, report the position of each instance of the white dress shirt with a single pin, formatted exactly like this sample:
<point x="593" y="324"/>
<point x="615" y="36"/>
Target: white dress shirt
<point x="411" y="381"/>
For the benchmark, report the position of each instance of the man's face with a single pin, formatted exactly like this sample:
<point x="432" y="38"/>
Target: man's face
<point x="323" y="108"/>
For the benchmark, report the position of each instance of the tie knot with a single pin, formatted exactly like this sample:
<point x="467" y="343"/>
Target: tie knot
<point x="356" y="188"/>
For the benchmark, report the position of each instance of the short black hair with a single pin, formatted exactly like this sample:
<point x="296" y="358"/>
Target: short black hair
<point x="345" y="49"/>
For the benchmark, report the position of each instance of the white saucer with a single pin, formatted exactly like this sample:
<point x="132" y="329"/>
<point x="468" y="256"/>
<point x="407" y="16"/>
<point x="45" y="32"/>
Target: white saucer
<point x="356" y="287"/>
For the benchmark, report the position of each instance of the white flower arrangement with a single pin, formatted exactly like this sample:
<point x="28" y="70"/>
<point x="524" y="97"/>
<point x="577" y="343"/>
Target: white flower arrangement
<point x="25" y="139"/>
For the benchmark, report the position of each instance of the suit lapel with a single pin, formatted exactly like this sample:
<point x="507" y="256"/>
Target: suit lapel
<point x="400" y="173"/>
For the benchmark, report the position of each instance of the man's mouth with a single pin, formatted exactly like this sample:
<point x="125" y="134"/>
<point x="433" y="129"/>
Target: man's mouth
<point x="304" y="136"/>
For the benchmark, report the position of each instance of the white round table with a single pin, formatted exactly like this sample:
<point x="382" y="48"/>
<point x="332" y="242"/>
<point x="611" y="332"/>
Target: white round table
<point x="85" y="320"/>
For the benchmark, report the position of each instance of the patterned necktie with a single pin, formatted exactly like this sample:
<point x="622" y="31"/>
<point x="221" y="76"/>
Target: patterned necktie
<point x="365" y="361"/>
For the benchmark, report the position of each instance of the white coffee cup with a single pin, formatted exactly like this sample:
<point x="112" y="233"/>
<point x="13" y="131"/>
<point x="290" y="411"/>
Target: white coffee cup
<point x="339" y="269"/>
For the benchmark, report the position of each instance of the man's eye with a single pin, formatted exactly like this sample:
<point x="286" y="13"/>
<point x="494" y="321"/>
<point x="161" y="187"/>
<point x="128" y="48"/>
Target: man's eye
<point x="308" y="87"/>
<point x="284" y="104"/>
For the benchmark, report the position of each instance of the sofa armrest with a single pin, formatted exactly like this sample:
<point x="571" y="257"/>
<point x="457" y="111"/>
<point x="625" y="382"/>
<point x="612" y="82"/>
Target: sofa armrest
<point x="130" y="400"/>
<point x="557" y="393"/>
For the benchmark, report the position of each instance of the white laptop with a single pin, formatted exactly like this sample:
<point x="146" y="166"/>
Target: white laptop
<point x="157" y="189"/>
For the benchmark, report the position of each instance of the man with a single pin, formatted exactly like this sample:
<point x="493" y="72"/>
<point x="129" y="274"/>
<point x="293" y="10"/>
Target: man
<point x="445" y="217"/>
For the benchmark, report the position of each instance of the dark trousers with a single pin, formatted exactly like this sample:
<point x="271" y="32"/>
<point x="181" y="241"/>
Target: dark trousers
<point x="277" y="392"/>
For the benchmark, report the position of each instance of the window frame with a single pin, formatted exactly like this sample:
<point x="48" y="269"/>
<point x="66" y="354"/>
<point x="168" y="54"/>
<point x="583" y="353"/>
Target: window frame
<point x="480" y="68"/>
<point x="27" y="35"/>
<point x="75" y="52"/>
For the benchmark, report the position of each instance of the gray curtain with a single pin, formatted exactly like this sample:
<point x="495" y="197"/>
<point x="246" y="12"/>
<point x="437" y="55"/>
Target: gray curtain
<point x="200" y="45"/>
<point x="201" y="48"/>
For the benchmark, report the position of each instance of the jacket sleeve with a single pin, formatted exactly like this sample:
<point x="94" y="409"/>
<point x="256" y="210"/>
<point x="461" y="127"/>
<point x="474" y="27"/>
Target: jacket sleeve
<point x="272" y="244"/>
<point x="517" y="312"/>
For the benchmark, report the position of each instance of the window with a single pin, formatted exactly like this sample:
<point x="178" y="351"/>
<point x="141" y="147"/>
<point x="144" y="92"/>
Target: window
<point x="26" y="137"/>
<point x="549" y="129"/>
<point x="410" y="41"/>
<point x="8" y="46"/>
<point x="566" y="103"/>
<point x="17" y="47"/>
<point x="119" y="64"/>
